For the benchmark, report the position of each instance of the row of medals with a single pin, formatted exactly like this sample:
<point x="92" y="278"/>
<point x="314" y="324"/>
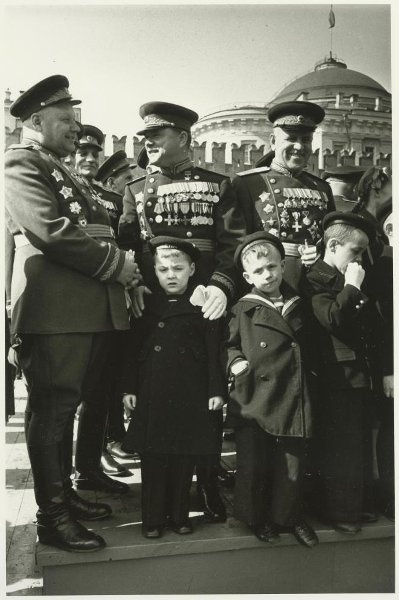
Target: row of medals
<point x="197" y="197"/>
<point x="297" y="198"/>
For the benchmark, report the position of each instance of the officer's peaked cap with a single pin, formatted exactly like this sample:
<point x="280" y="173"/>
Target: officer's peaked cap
<point x="349" y="218"/>
<point x="116" y="163"/>
<point x="296" y="114"/>
<point x="173" y="243"/>
<point x="91" y="136"/>
<point x="255" y="239"/>
<point x="48" y="92"/>
<point x="165" y="114"/>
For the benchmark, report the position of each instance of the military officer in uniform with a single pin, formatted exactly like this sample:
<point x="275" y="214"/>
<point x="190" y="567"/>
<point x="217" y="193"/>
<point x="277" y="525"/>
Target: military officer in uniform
<point x="89" y="145"/>
<point x="342" y="181"/>
<point x="181" y="200"/>
<point x="116" y="172"/>
<point x="283" y="198"/>
<point x="67" y="296"/>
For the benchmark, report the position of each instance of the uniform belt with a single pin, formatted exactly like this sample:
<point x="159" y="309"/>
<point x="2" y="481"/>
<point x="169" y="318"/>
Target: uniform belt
<point x="202" y="245"/>
<point x="93" y="230"/>
<point x="291" y="249"/>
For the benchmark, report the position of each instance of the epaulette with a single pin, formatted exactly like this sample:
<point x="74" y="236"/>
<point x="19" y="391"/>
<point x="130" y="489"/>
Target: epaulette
<point x="252" y="171"/>
<point x="23" y="147"/>
<point x="142" y="178"/>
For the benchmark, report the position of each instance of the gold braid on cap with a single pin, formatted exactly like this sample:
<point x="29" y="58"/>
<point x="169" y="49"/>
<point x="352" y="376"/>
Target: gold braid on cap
<point x="294" y="121"/>
<point x="58" y="96"/>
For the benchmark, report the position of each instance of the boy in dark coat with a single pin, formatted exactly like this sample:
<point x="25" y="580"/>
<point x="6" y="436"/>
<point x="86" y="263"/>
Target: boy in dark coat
<point x="175" y="384"/>
<point x="347" y="328"/>
<point x="269" y="396"/>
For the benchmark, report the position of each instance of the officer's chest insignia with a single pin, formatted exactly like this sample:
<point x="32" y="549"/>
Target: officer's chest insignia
<point x="139" y="202"/>
<point x="75" y="208"/>
<point x="268" y="208"/>
<point x="66" y="192"/>
<point x="57" y="175"/>
<point x="82" y="221"/>
<point x="265" y="196"/>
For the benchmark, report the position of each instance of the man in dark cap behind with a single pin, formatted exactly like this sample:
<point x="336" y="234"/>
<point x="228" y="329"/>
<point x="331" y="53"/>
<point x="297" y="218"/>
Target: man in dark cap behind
<point x="184" y="201"/>
<point x="283" y="198"/>
<point x="67" y="296"/>
<point x="342" y="181"/>
<point x="116" y="172"/>
<point x="89" y="441"/>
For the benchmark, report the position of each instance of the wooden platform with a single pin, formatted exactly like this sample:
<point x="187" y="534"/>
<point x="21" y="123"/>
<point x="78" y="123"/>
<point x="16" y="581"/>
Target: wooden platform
<point x="220" y="559"/>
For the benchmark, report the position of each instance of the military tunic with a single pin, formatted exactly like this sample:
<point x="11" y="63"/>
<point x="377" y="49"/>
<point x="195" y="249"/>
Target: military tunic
<point x="289" y="207"/>
<point x="65" y="298"/>
<point x="185" y="202"/>
<point x="66" y="260"/>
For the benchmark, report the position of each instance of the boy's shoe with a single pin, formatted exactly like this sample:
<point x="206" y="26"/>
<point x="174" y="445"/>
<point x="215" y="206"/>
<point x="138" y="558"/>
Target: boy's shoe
<point x="267" y="533"/>
<point x="181" y="528"/>
<point x="368" y="517"/>
<point x="347" y="527"/>
<point x="305" y="534"/>
<point x="152" y="532"/>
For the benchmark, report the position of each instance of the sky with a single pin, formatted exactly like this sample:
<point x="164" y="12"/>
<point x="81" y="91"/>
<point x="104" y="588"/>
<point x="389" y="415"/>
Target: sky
<point x="118" y="56"/>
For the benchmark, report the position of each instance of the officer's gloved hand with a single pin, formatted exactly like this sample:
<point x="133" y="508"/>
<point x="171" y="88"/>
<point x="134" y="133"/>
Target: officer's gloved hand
<point x="387" y="384"/>
<point x="130" y="275"/>
<point x="216" y="302"/>
<point x="137" y="297"/>
<point x="215" y="403"/>
<point x="308" y="254"/>
<point x="129" y="403"/>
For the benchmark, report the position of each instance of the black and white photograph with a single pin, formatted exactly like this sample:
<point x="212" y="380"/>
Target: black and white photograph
<point x="198" y="262"/>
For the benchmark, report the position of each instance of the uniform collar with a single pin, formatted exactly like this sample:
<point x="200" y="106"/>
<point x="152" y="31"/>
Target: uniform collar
<point x="276" y="166"/>
<point x="29" y="136"/>
<point x="178" y="167"/>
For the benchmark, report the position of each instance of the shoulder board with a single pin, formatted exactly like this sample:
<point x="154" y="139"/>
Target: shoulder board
<point x="142" y="178"/>
<point x="22" y="147"/>
<point x="252" y="171"/>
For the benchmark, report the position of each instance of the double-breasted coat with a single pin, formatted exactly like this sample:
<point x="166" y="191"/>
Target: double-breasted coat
<point x="189" y="203"/>
<point x="66" y="259"/>
<point x="275" y="390"/>
<point x="173" y="367"/>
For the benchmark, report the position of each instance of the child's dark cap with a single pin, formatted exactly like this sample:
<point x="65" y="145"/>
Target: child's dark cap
<point x="172" y="243"/>
<point x="258" y="236"/>
<point x="353" y="219"/>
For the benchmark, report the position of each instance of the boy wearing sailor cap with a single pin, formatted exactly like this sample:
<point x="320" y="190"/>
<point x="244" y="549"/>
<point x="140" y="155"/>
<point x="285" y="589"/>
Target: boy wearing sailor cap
<point x="265" y="354"/>
<point x="175" y="386"/>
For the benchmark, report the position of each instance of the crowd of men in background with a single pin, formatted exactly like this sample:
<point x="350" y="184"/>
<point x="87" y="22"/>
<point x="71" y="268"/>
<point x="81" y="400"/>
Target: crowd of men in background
<point x="83" y="242"/>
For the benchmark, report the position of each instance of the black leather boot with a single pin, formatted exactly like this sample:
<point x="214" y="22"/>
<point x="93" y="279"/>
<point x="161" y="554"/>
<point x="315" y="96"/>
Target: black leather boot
<point x="81" y="509"/>
<point x="56" y="527"/>
<point x="208" y="495"/>
<point x="111" y="467"/>
<point x="67" y="534"/>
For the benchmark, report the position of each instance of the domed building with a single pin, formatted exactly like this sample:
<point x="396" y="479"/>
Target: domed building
<point x="355" y="131"/>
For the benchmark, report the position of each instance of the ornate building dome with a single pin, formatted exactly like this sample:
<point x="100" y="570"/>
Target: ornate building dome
<point x="355" y="131"/>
